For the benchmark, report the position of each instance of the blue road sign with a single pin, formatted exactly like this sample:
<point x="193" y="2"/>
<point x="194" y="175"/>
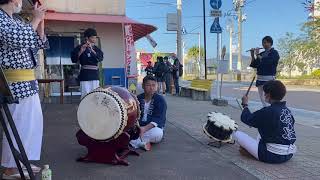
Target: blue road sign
<point x="216" y="28"/>
<point x="216" y="4"/>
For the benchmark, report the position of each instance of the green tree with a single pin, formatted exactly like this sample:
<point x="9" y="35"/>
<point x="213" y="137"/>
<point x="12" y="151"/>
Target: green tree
<point x="309" y="48"/>
<point x="301" y="66"/>
<point x="193" y="53"/>
<point x="288" y="52"/>
<point x="157" y="54"/>
<point x="309" y="51"/>
<point x="312" y="27"/>
<point x="302" y="52"/>
<point x="193" y="56"/>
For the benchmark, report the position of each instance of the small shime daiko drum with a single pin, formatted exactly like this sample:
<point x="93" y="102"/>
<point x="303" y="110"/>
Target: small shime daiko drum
<point x="106" y="113"/>
<point x="219" y="127"/>
<point x="108" y="119"/>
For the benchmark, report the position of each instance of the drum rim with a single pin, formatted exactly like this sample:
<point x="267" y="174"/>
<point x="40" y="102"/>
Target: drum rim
<point x="124" y="117"/>
<point x="138" y="106"/>
<point x="211" y="137"/>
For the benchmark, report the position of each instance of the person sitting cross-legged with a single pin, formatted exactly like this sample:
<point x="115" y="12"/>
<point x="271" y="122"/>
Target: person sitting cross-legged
<point x="153" y="115"/>
<point x="275" y="124"/>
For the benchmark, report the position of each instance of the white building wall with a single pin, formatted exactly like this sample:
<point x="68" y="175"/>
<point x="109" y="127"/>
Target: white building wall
<point x="110" y="7"/>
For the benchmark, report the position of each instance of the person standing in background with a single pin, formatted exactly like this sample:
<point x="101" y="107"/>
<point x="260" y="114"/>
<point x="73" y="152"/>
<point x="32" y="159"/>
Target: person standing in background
<point x="168" y="74"/>
<point x="160" y="69"/>
<point x="176" y="74"/>
<point x="88" y="55"/>
<point x="266" y="64"/>
<point x="149" y="69"/>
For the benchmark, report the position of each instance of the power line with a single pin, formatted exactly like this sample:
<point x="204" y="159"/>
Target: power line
<point x="197" y="27"/>
<point x="162" y="17"/>
<point x="143" y="6"/>
<point x="146" y="4"/>
<point x="249" y="2"/>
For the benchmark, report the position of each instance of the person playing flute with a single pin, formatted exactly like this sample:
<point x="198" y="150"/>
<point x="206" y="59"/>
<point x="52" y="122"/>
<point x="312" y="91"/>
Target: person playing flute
<point x="266" y="64"/>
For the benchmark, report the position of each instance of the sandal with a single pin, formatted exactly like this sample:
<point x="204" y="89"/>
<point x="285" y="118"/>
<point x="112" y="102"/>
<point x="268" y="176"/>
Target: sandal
<point x="34" y="168"/>
<point x="15" y="176"/>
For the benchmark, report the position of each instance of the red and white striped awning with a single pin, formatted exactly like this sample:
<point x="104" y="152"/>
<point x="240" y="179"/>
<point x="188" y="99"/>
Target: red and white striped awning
<point x="139" y="29"/>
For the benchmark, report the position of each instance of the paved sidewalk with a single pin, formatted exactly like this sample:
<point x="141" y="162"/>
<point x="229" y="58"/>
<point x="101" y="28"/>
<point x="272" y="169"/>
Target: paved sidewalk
<point x="189" y="116"/>
<point x="179" y="157"/>
<point x="184" y="154"/>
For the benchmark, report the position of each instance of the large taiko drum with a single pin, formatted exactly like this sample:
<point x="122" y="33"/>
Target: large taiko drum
<point x="105" y="113"/>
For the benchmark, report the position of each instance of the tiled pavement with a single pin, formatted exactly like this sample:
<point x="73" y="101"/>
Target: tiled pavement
<point x="189" y="116"/>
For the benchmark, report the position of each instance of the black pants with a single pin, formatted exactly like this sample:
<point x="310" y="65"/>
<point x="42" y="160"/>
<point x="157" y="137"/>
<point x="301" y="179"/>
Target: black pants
<point x="176" y="84"/>
<point x="167" y="77"/>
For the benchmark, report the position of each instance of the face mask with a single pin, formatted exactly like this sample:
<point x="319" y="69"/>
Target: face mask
<point x="18" y="8"/>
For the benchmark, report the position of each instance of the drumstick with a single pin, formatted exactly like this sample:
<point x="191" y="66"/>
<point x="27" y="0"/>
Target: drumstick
<point x="239" y="104"/>
<point x="247" y="93"/>
<point x="254" y="77"/>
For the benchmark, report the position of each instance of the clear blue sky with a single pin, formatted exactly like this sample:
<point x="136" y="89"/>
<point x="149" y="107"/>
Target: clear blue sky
<point x="264" y="17"/>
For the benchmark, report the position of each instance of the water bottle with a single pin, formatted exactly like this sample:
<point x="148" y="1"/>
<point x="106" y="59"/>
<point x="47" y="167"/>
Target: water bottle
<point x="46" y="173"/>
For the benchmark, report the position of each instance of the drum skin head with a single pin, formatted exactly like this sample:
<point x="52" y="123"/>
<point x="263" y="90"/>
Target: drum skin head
<point x="219" y="127"/>
<point x="222" y="120"/>
<point x="102" y="115"/>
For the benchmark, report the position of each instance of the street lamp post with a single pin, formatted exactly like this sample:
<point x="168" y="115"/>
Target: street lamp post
<point x="230" y="29"/>
<point x="179" y="33"/>
<point x="239" y="4"/>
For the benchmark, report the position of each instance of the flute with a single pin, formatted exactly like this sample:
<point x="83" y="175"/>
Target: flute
<point x="253" y="49"/>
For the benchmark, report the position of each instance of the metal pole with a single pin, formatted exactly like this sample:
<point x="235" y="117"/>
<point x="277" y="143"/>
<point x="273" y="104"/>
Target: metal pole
<point x="179" y="38"/>
<point x="200" y="53"/>
<point x="239" y="65"/>
<point x="218" y="58"/>
<point x="183" y="60"/>
<point x="204" y="39"/>
<point x="230" y="45"/>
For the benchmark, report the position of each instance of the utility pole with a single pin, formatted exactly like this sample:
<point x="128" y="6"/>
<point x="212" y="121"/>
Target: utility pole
<point x="200" y="53"/>
<point x="204" y="39"/>
<point x="230" y="28"/>
<point x="240" y="4"/>
<point x="183" y="59"/>
<point x="179" y="33"/>
<point x="199" y="39"/>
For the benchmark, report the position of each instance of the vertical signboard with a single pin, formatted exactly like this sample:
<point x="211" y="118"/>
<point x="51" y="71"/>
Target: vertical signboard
<point x="130" y="55"/>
